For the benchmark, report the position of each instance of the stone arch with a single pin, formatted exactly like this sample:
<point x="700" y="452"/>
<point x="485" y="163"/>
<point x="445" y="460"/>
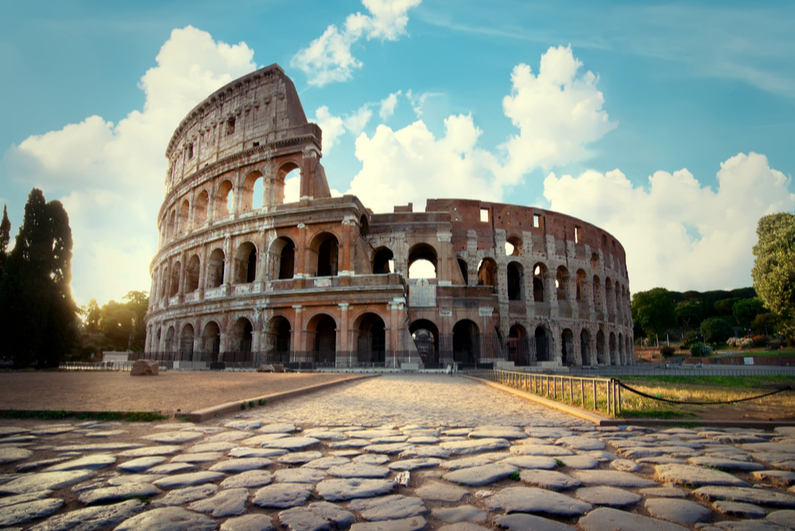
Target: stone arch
<point x="171" y="229"/>
<point x="595" y="261"/>
<point x="543" y="345"/>
<point x="539" y="282"/>
<point x="364" y="226"/>
<point x="276" y="192"/>
<point x="462" y="265"/>
<point x="598" y="295"/>
<point x="562" y="283"/>
<point x="381" y="261"/>
<point x="241" y="335"/>
<point x="278" y="334"/>
<point x="622" y="358"/>
<point x="281" y="259"/>
<point x="515" y="281"/>
<point x="200" y="209"/>
<point x="184" y="213"/>
<point x="515" y="242"/>
<point x="176" y="271"/>
<point x="466" y="342"/>
<point x="322" y="332"/>
<point x="488" y="274"/>
<point x="602" y="356"/>
<point x="425" y="334"/>
<point x="371" y="341"/>
<point x="245" y="263"/>
<point x="192" y="274"/>
<point x="609" y="296"/>
<point x="586" y="356"/>
<point x="422" y="252"/>
<point x="164" y="278"/>
<point x="171" y="344"/>
<point x="247" y="199"/>
<point x="215" y="268"/>
<point x="223" y="195"/>
<point x="325" y="255"/>
<point x="186" y="339"/>
<point x="519" y="351"/>
<point x="613" y="350"/>
<point x="568" y="355"/>
<point x="582" y="280"/>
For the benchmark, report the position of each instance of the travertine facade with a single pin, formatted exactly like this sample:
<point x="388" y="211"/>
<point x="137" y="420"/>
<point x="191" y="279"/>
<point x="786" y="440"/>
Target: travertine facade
<point x="326" y="281"/>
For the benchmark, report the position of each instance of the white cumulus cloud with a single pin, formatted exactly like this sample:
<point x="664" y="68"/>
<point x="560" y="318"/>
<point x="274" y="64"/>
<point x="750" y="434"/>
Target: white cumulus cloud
<point x="332" y="127"/>
<point x="388" y="105"/>
<point x="357" y="121"/>
<point x="110" y="177"/>
<point x="678" y="233"/>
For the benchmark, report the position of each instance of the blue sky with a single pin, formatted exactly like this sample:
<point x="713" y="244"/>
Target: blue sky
<point x="669" y="125"/>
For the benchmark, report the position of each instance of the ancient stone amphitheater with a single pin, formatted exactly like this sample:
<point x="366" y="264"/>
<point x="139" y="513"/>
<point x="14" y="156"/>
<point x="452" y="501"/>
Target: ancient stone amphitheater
<point x="241" y="276"/>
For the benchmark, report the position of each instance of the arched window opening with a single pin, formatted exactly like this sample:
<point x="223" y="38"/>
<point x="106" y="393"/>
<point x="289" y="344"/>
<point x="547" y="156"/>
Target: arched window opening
<point x="513" y="246"/>
<point x="281" y="337"/>
<point x="466" y="344"/>
<point x="622" y="360"/>
<point x="567" y="348"/>
<point x="462" y="265"/>
<point x="601" y="350"/>
<point x="426" y="339"/>
<point x="422" y="261"/>
<point x="159" y="335"/>
<point x="171" y="339"/>
<point x="192" y="274"/>
<point x="286" y="187"/>
<point x="251" y="192"/>
<point x="585" y="347"/>
<point x="595" y="261"/>
<point x="223" y="200"/>
<point x="184" y="212"/>
<point x="325" y="341"/>
<point x="215" y="269"/>
<point x="176" y="271"/>
<point x="613" y="350"/>
<point x="515" y="282"/>
<point x="200" y="209"/>
<point x="609" y="296"/>
<point x="242" y="335"/>
<point x="211" y="341"/>
<point x="597" y="294"/>
<point x="383" y="262"/>
<point x="562" y="283"/>
<point x="246" y="264"/>
<point x="581" y="281"/>
<point x="327" y="255"/>
<point x="171" y="230"/>
<point x="542" y="344"/>
<point x="364" y="226"/>
<point x="519" y="351"/>
<point x="287" y="261"/>
<point x="539" y="279"/>
<point x="230" y="126"/>
<point x="372" y="339"/>
<point x="164" y="278"/>
<point x="186" y="340"/>
<point x="487" y="274"/>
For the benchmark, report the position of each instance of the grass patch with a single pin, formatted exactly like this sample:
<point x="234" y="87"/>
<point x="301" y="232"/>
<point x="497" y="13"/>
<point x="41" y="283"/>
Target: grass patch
<point x="722" y="381"/>
<point x="516" y="476"/>
<point x="654" y="414"/>
<point x="46" y="414"/>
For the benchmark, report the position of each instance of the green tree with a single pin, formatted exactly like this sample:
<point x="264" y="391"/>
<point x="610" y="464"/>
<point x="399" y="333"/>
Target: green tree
<point x="688" y="311"/>
<point x="117" y="324"/>
<point x="5" y="237"/>
<point x="138" y="304"/>
<point x="653" y="311"/>
<point x="93" y="315"/>
<point x="716" y="330"/>
<point x="746" y="310"/>
<point x="37" y="313"/>
<point x="774" y="268"/>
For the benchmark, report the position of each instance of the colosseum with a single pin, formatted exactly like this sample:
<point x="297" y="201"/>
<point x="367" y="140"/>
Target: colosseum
<point x="241" y="276"/>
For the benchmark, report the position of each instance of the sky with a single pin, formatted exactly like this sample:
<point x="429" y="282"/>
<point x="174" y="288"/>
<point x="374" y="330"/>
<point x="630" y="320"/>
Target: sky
<point x="670" y="125"/>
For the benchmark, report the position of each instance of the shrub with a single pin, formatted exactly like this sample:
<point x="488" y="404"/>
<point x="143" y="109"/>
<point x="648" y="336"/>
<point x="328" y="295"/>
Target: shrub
<point x="689" y="339"/>
<point x="733" y="342"/>
<point x="716" y="330"/>
<point x="745" y="342"/>
<point x="700" y="349"/>
<point x="667" y="351"/>
<point x="760" y="341"/>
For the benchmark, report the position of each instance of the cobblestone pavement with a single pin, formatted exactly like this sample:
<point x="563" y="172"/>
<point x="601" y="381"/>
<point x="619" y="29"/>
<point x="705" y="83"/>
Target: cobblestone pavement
<point x="400" y="452"/>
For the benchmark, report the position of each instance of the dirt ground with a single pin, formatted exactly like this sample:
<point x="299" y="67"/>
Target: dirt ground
<point x="169" y="393"/>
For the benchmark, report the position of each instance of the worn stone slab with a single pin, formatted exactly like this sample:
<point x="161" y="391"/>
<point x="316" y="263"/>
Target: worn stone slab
<point x="662" y="460"/>
<point x="89" y="462"/>
<point x="102" y="434"/>
<point x="605" y="518"/>
<point x="125" y="479"/>
<point x="580" y="462"/>
<point x="548" y="433"/>
<point x="244" y="424"/>
<point x="497" y="432"/>
<point x="413" y="464"/>
<point x="249" y="522"/>
<point x="324" y="463"/>
<point x="121" y="492"/>
<point x="218" y="446"/>
<point x="24" y="498"/>
<point x="635" y="453"/>
<point x="228" y="436"/>
<point x="664" y="492"/>
<point x="438" y="491"/>
<point x="30" y="465"/>
<point x="227" y="502"/>
<point x="348" y="489"/>
<point x="625" y="465"/>
<point x="529" y="522"/>
<point x="292" y="443"/>
<point x="371" y="459"/>
<point x="466" y="462"/>
<point x="358" y="470"/>
<point x="784" y="461"/>
<point x="243" y="464"/>
<point x="391" y="507"/>
<point x="171" y="468"/>
<point x="168" y="519"/>
<point x="532" y="461"/>
<point x="462" y="513"/>
<point x="534" y="500"/>
<point x="385" y="448"/>
<point x="740" y="510"/>
<point x="784" y="518"/>
<point x="350" y="443"/>
<point x="243" y="451"/>
<point x="10" y="454"/>
<point x="727" y="464"/>
<point x="187" y="480"/>
<point x="549" y="450"/>
<point x="463" y="526"/>
<point x="474" y="446"/>
<point x="25" y="512"/>
<point x="612" y="478"/>
<point x="186" y="495"/>
<point x="249" y="479"/>
<point x="579" y="442"/>
<point x="91" y="518"/>
<point x="416" y="523"/>
<point x="696" y="476"/>
<point x="745" y="525"/>
<point x="45" y="481"/>
<point x="549" y="479"/>
<point x="326" y="435"/>
<point x="746" y="495"/>
<point x="203" y="457"/>
<point x="480" y="475"/>
<point x="782" y="478"/>
<point x="282" y="495"/>
<point x="772" y="447"/>
<point x="372" y="434"/>
<point x="140" y="464"/>
<point x="299" y="475"/>
<point x="424" y="451"/>
<point x="299" y="458"/>
<point x="683" y="512"/>
<point x="609" y="496"/>
<point x="145" y="451"/>
<point x="262" y="439"/>
<point x="174" y="437"/>
<point x="423" y="440"/>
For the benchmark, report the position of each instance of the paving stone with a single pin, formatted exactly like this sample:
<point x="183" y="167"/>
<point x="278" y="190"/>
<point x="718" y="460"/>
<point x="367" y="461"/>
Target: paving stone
<point x="242" y="451"/>
<point x="140" y="464"/>
<point x="348" y="489"/>
<point x="371" y="459"/>
<point x="174" y="437"/>
<point x="467" y="462"/>
<point x="133" y="478"/>
<point x="249" y="479"/>
<point x="606" y="518"/>
<point x="497" y="432"/>
<point x="227" y="436"/>
<point x="580" y="462"/>
<point x="299" y="458"/>
<point x="480" y="475"/>
<point x="661" y="460"/>
<point x="89" y="462"/>
<point x="30" y="465"/>
<point x="548" y="433"/>
<point x="462" y="513"/>
<point x="187" y="480"/>
<point x="249" y="522"/>
<point x="534" y="500"/>
<point x="696" y="476"/>
<point x="121" y="492"/>
<point x="326" y="435"/>
<point x="10" y="454"/>
<point x="299" y="475"/>
<point x="772" y="447"/>
<point x="349" y="454"/>
<point x="784" y="518"/>
<point x="612" y="478"/>
<point x="735" y="438"/>
<point x="186" y="495"/>
<point x="539" y="449"/>
<point x="5" y="431"/>
<point x="358" y="470"/>
<point x="528" y="522"/>
<point x="474" y="446"/>
<point x="438" y="491"/>
<point x="463" y="526"/>
<point x="16" y="440"/>
<point x="220" y="446"/>
<point x="318" y="516"/>
<point x="549" y="479"/>
<point x="203" y="457"/>
<point x="244" y="424"/>
<point x="785" y="461"/>
<point x="386" y="448"/>
<point x="664" y="492"/>
<point x="602" y="456"/>
<point x="350" y="443"/>
<point x="423" y="440"/>
<point x="727" y="464"/>
<point x="171" y="468"/>
<point x="531" y="461"/>
<point x="263" y="439"/>
<point x="228" y="502"/>
<point x="390" y="507"/>
<point x="101" y="434"/>
<point x="740" y="510"/>
<point x="168" y="519"/>
<point x="91" y="518"/>
<point x="747" y="525"/>
<point x="578" y="442"/>
<point x="324" y="463"/>
<point x="282" y="495"/>
<point x="145" y="451"/>
<point x="609" y="496"/>
<point x="625" y="465"/>
<point x="413" y="464"/>
<point x="53" y="429"/>
<point x="25" y="512"/>
<point x="416" y="523"/>
<point x="241" y="465"/>
<point x="45" y="481"/>
<point x="746" y="495"/>
<point x="24" y="498"/>
<point x="372" y="434"/>
<point x="282" y="427"/>
<point x="683" y="512"/>
<point x="639" y="453"/>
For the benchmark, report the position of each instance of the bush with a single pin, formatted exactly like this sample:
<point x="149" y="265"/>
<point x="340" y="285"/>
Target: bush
<point x="689" y="339"/>
<point x="700" y="350"/>
<point x="667" y="351"/>
<point x="733" y="342"/>
<point x="760" y="341"/>
<point x="716" y="330"/>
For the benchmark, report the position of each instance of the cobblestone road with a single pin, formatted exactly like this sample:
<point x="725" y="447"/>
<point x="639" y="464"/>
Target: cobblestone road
<point x="400" y="452"/>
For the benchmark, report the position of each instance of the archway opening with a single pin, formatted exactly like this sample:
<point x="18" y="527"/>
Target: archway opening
<point x="186" y="342"/>
<point x="251" y="192"/>
<point x="567" y="347"/>
<point x="426" y="339"/>
<point x="364" y="226"/>
<point x="211" y="341"/>
<point x="281" y="259"/>
<point x="170" y="339"/>
<point x="327" y="249"/>
<point x="487" y="274"/>
<point x="466" y="344"/>
<point x="515" y="282"/>
<point x="582" y="279"/>
<point x="513" y="246"/>
<point x="184" y="211"/>
<point x="192" y="274"/>
<point x="519" y="351"/>
<point x="242" y="336"/>
<point x="562" y="283"/>
<point x="371" y="343"/>
<point x="325" y="342"/>
<point x="215" y="269"/>
<point x="539" y="277"/>
<point x="585" y="347"/>
<point x="542" y="344"/>
<point x="176" y="271"/>
<point x="613" y="350"/>
<point x="383" y="262"/>
<point x="224" y="199"/>
<point x="200" y="209"/>
<point x="246" y="263"/>
<point x="279" y="334"/>
<point x="601" y="350"/>
<point x="422" y="261"/>
<point x="462" y="265"/>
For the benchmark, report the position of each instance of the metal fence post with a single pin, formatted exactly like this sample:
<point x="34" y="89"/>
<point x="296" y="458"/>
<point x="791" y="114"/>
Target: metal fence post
<point x="594" y="394"/>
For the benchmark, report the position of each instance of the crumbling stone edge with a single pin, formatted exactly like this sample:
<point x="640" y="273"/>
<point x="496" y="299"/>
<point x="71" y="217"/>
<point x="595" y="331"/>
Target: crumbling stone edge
<point x="230" y="407"/>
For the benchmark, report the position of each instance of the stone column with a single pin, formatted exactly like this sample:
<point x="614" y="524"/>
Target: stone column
<point x="346" y="267"/>
<point x="343" y="337"/>
<point x="301" y="253"/>
<point x="298" y="335"/>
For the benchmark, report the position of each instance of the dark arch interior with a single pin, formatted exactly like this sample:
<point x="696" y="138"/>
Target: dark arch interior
<point x="426" y="339"/>
<point x="287" y="262"/>
<point x="372" y="339"/>
<point x="381" y="261"/>
<point x="542" y="344"/>
<point x="463" y="266"/>
<point x="326" y="340"/>
<point x="327" y="255"/>
<point x="515" y="282"/>
<point x="465" y="342"/>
